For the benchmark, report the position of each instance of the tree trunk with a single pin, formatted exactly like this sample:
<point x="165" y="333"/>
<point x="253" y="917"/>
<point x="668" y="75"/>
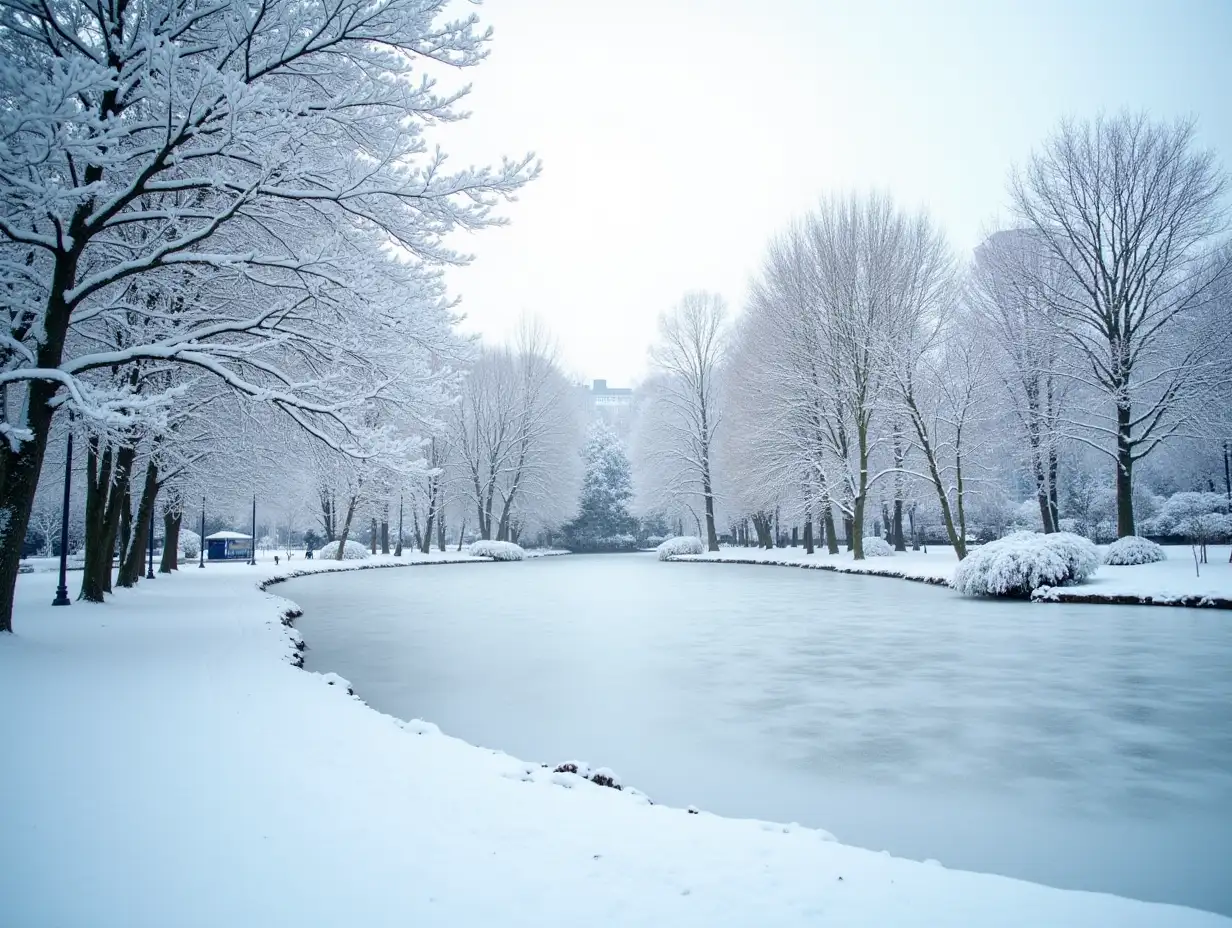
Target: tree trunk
<point x="126" y="526"/>
<point x="134" y="557"/>
<point x="172" y="517"/>
<point x="101" y="535"/>
<point x="712" y="537"/>
<point x="808" y="533"/>
<point x="1124" y="474"/>
<point x="762" y="526"/>
<point x="857" y="528"/>
<point x="372" y="537"/>
<point x="425" y="544"/>
<point x="440" y="528"/>
<point x="827" y="525"/>
<point x="1053" y="508"/>
<point x="20" y="467"/>
<point x="848" y="532"/>
<point x="385" y="532"/>
<point x="346" y="527"/>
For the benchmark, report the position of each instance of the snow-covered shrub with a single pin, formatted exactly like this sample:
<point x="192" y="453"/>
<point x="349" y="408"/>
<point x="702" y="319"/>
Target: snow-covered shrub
<point x="1080" y="554"/>
<point x="190" y="543"/>
<point x="1207" y="528"/>
<point x="653" y="541"/>
<point x="354" y="551"/>
<point x="1022" y="562"/>
<point x="875" y="546"/>
<point x="497" y="550"/>
<point x="1131" y="550"/>
<point x="682" y="544"/>
<point x="1177" y="512"/>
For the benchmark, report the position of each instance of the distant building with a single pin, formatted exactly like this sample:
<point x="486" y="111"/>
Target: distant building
<point x="614" y="405"/>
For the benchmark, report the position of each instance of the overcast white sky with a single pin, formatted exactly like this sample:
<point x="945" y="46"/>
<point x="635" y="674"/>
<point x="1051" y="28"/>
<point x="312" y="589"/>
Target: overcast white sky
<point x="677" y="136"/>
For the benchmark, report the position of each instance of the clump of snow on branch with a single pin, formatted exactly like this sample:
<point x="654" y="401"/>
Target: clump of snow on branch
<point x="1024" y="562"/>
<point x="683" y="544"/>
<point x="1132" y="550"/>
<point x="354" y="551"/>
<point x="497" y="550"/>
<point x="877" y="547"/>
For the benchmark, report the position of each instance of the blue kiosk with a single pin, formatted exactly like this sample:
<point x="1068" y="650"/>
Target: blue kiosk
<point x="228" y="546"/>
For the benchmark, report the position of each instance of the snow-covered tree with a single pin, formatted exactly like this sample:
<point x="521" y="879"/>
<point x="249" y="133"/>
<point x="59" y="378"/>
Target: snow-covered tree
<point x="515" y="435"/>
<point x="1131" y="214"/>
<point x="603" y="521"/>
<point x="226" y="182"/>
<point x="680" y="416"/>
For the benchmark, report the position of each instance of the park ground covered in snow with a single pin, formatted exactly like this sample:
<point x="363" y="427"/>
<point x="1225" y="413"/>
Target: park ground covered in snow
<point x="1174" y="580"/>
<point x="167" y="764"/>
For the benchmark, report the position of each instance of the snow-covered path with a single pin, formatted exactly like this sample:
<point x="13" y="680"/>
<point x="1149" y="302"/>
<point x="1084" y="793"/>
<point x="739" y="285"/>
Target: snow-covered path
<point x="165" y="764"/>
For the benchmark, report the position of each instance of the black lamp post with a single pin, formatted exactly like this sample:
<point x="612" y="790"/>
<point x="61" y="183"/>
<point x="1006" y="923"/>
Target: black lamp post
<point x="398" y="548"/>
<point x="201" y="544"/>
<point x="62" y="590"/>
<point x="253" y="561"/>
<point x="149" y="571"/>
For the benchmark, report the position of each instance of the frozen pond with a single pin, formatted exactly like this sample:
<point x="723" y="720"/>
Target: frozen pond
<point x="1080" y="746"/>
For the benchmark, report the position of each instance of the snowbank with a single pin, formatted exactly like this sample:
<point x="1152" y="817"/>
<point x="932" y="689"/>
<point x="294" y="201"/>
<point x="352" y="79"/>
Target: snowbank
<point x="1131" y="551"/>
<point x="1169" y="583"/>
<point x="682" y="544"/>
<point x="496" y="550"/>
<point x="354" y="551"/>
<point x="226" y="787"/>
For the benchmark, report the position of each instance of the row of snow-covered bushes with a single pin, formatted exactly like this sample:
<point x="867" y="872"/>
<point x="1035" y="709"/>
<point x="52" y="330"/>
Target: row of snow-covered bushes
<point x="1023" y="562"/>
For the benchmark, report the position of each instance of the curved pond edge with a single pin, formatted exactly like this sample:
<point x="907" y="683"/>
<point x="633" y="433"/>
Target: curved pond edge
<point x="1043" y="595"/>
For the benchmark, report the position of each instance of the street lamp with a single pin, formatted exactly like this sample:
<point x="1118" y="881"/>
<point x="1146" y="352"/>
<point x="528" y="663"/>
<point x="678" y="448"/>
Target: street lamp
<point x="62" y="590"/>
<point x="201" y="544"/>
<point x="149" y="571"/>
<point x="253" y="547"/>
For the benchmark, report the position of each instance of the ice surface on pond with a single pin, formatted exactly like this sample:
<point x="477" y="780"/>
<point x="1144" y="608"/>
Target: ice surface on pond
<point x="1076" y="745"/>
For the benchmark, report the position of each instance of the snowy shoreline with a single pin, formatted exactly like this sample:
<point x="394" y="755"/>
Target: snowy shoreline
<point x="230" y="776"/>
<point x="1170" y="583"/>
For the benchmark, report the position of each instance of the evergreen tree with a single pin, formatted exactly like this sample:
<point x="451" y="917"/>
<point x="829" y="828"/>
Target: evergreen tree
<point x="603" y="522"/>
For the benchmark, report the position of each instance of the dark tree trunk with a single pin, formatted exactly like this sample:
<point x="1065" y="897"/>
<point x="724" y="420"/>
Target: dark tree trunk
<point x="135" y="555"/>
<point x="808" y="533"/>
<point x="827" y="525"/>
<point x="20" y="468"/>
<point x="372" y="536"/>
<point x="126" y="526"/>
<point x="1124" y="474"/>
<point x="346" y="525"/>
<point x="172" y="518"/>
<point x="426" y="544"/>
<point x="1053" y="509"/>
<point x="440" y="530"/>
<point x="385" y="534"/>
<point x="107" y="487"/>
<point x="848" y="533"/>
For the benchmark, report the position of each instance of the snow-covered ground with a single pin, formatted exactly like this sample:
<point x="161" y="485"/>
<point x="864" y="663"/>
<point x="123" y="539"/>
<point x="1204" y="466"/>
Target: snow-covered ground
<point x="1162" y="583"/>
<point x="166" y="764"/>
